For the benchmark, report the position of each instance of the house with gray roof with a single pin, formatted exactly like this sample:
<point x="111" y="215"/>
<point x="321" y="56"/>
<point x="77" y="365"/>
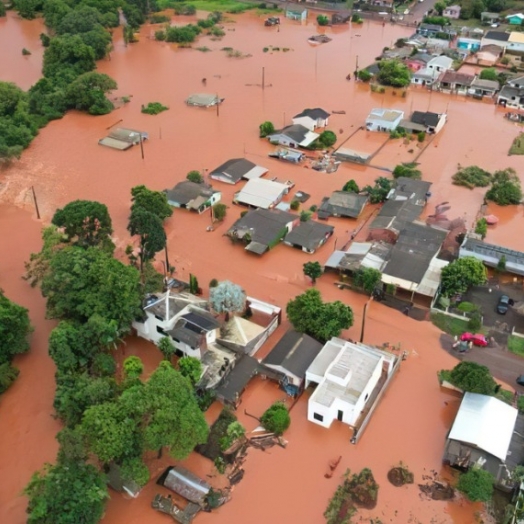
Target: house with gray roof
<point x="262" y="229"/>
<point x="295" y="135"/>
<point x="342" y="204"/>
<point x="455" y="82"/>
<point x="312" y="118"/>
<point x="511" y="97"/>
<point x="309" y="236"/>
<point x="292" y="356"/>
<point x="480" y="88"/>
<point x="237" y="169"/>
<point x="425" y="121"/>
<point x="193" y="196"/>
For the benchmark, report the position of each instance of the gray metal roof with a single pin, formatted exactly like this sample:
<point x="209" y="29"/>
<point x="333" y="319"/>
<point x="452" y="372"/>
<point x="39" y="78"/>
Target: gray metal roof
<point x="234" y="169"/>
<point x="425" y="118"/>
<point x="203" y="320"/>
<point x="486" y="84"/>
<point x="314" y="113"/>
<point x="231" y="389"/>
<point x="297" y="132"/>
<point x="294" y="352"/>
<point x="309" y="234"/>
<point x="344" y="203"/>
<point x="410" y="257"/>
<point x="186" y="191"/>
<point x="497" y="35"/>
<point x="186" y="484"/>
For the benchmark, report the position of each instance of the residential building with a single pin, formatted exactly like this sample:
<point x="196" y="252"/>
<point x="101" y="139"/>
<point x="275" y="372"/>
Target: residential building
<point x="346" y="375"/>
<point x="517" y="82"/>
<point x="237" y="169"/>
<point x="300" y="15"/>
<point x="342" y="204"/>
<point x="425" y="121"/>
<point x="489" y="55"/>
<point x="312" y="118"/>
<point x="261" y="193"/>
<point x="384" y="119"/>
<point x="430" y="73"/>
<point x="309" y="236"/>
<point x="291" y="357"/>
<point x="262" y="229"/>
<point x="453" y="82"/>
<point x="122" y="138"/>
<point x="429" y="30"/>
<point x="289" y="155"/>
<point x="452" y="11"/>
<point x="515" y="19"/>
<point x="468" y="44"/>
<point x="418" y="61"/>
<point x="293" y="136"/>
<point x="512" y="97"/>
<point x="515" y="44"/>
<point x="484" y="434"/>
<point x="489" y="18"/>
<point x="359" y="255"/>
<point x="193" y="196"/>
<point x="496" y="38"/>
<point x="480" y="88"/>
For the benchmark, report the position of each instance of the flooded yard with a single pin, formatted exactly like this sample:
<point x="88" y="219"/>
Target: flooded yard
<point x="65" y="163"/>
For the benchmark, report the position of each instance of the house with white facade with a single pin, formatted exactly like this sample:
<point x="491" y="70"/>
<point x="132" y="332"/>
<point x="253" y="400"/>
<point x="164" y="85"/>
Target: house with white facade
<point x="380" y="119"/>
<point x="296" y="135"/>
<point x="193" y="196"/>
<point x="261" y="193"/>
<point x="346" y="375"/>
<point x="312" y="118"/>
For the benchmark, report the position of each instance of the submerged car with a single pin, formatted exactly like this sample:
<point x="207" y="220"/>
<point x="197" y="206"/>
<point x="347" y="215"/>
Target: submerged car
<point x="476" y="338"/>
<point x="503" y="305"/>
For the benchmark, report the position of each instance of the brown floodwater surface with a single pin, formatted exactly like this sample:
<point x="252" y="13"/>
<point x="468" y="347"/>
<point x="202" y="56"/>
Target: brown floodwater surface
<point x="65" y="163"/>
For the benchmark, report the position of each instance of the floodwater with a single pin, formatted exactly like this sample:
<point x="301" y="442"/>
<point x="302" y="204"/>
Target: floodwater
<point x="65" y="163"/>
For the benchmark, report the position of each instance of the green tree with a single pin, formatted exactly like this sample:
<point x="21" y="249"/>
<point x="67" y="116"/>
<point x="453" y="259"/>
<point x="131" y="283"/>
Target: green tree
<point x="8" y="374"/>
<point x="28" y="8"/>
<point x="133" y="367"/>
<point x="167" y="348"/>
<point x="501" y="264"/>
<point x="379" y="192"/>
<point x="481" y="228"/>
<point x="393" y="73"/>
<point x="15" y="329"/>
<point x="219" y="212"/>
<point x="266" y="128"/>
<point x="227" y="298"/>
<point x="461" y="274"/>
<point x="66" y="493"/>
<point x="368" y="278"/>
<point x="313" y="270"/>
<point x="276" y="418"/>
<point x="85" y="222"/>
<point x="153" y="201"/>
<point x="439" y="7"/>
<point x="55" y="11"/>
<point x="364" y="75"/>
<point x="505" y="188"/>
<point x="351" y="187"/>
<point x="88" y="93"/>
<point x="191" y="368"/>
<point x="322" y="20"/>
<point x="471" y="177"/>
<point x="195" y="176"/>
<point x="305" y="215"/>
<point x="327" y="138"/>
<point x="309" y="314"/>
<point x="134" y="469"/>
<point x="490" y="73"/>
<point x="472" y="377"/>
<point x="86" y="282"/>
<point x="407" y="170"/>
<point x="148" y="226"/>
<point x="476" y="484"/>
<point x="2" y="10"/>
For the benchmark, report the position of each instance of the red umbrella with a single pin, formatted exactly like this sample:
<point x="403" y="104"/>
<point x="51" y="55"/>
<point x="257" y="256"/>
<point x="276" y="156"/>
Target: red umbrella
<point x="491" y="219"/>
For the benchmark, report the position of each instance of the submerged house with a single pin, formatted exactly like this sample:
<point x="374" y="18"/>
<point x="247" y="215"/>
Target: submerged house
<point x="309" y="236"/>
<point x="186" y="484"/>
<point x="484" y="434"/>
<point x="261" y="193"/>
<point x="312" y="118"/>
<point x="122" y="138"/>
<point x="342" y="204"/>
<point x="383" y="119"/>
<point x="425" y="121"/>
<point x="237" y="169"/>
<point x="193" y="196"/>
<point x="295" y="135"/>
<point x="346" y="376"/>
<point x="454" y="82"/>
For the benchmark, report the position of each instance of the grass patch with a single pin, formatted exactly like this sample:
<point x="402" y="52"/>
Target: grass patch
<point x="517" y="148"/>
<point x="224" y="6"/>
<point x="516" y="345"/>
<point x="451" y="325"/>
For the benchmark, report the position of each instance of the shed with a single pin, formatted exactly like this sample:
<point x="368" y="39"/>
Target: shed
<point x="184" y="483"/>
<point x="122" y="138"/>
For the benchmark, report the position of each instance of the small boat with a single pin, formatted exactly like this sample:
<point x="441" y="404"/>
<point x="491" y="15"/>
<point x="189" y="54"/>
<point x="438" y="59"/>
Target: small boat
<point x="491" y="220"/>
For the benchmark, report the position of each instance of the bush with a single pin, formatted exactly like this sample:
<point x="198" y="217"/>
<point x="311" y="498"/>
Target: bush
<point x="472" y="377"/>
<point x="276" y="419"/>
<point x="219" y="212"/>
<point x="157" y="18"/>
<point x="394" y="73"/>
<point x="305" y="216"/>
<point x="475" y="322"/>
<point x="436" y="20"/>
<point x="160" y="35"/>
<point x="351" y="187"/>
<point x="295" y="204"/>
<point x="356" y="18"/>
<point x="364" y="75"/>
<point x="265" y="129"/>
<point x="153" y="108"/>
<point x="367" y="278"/>
<point x="213" y="282"/>
<point x="322" y="20"/>
<point x="472" y="176"/>
<point x="195" y="176"/>
<point x="520" y="403"/>
<point x="327" y="138"/>
<point x="217" y="31"/>
<point x="476" y="484"/>
<point x="26" y="52"/>
<point x="184" y="9"/>
<point x="8" y="375"/>
<point x="505" y="189"/>
<point x="481" y="228"/>
<point x="182" y="35"/>
<point x="407" y="170"/>
<point x="490" y="73"/>
<point x="421" y="136"/>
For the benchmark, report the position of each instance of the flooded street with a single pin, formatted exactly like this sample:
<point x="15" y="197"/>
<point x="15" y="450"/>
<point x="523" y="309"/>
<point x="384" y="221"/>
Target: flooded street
<point x="65" y="163"/>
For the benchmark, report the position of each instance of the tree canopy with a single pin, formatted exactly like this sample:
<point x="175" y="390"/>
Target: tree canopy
<point x="14" y="329"/>
<point x="505" y="188"/>
<point x="85" y="222"/>
<point x="471" y="177"/>
<point x="309" y="314"/>
<point x="227" y="298"/>
<point x="191" y="368"/>
<point x="368" y="278"/>
<point x="393" y="73"/>
<point x="148" y="226"/>
<point x="476" y="484"/>
<point x="461" y="274"/>
<point x="379" y="191"/>
<point x="276" y="418"/>
<point x="153" y="201"/>
<point x="472" y="377"/>
<point x="313" y="270"/>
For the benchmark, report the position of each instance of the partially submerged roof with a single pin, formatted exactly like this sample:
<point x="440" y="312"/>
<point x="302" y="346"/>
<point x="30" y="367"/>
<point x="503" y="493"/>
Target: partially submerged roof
<point x="315" y="113"/>
<point x="186" y="484"/>
<point x="262" y="225"/>
<point x="491" y="254"/>
<point x="426" y="118"/>
<point x="492" y="85"/>
<point x="122" y="138"/>
<point x="387" y="115"/>
<point x="361" y="254"/>
<point x="485" y="422"/>
<point x="297" y="133"/>
<point x="237" y="380"/>
<point x="185" y="192"/>
<point x="262" y="193"/>
<point x="235" y="169"/>
<point x="344" y="203"/>
<point x="309" y="234"/>
<point x="453" y="77"/>
<point x="203" y="100"/>
<point x="294" y="352"/>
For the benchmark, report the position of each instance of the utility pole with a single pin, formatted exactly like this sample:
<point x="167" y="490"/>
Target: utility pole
<point x="364" y="319"/>
<point x="263" y="78"/>
<point x="36" y="203"/>
<point x="218" y="103"/>
<point x="141" y="146"/>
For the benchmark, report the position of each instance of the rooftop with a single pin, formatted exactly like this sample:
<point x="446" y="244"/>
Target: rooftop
<point x="452" y="77"/>
<point x="491" y="254"/>
<point x="186" y="191"/>
<point x="169" y="304"/>
<point x="231" y="389"/>
<point x="425" y="118"/>
<point x="314" y="113"/>
<point x="186" y="484"/>
<point x="309" y="234"/>
<point x="262" y="193"/>
<point x="344" y="203"/>
<point x="238" y="168"/>
<point x="389" y="115"/>
<point x="497" y="35"/>
<point x="485" y="84"/>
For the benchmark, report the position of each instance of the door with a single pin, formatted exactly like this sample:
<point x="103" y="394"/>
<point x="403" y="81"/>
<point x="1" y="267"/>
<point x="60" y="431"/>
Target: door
<point x="340" y="415"/>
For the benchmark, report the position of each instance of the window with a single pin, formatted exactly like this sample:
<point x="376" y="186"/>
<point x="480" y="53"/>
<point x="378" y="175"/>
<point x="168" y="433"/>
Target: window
<point x="318" y="417"/>
<point x="160" y="330"/>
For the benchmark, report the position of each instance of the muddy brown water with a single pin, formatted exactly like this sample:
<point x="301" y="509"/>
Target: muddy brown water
<point x="65" y="163"/>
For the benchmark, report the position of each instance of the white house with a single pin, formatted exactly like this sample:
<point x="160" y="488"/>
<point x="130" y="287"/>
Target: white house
<point x="261" y="193"/>
<point x="312" y="118"/>
<point x="440" y="63"/>
<point x="346" y="374"/>
<point x="293" y="136"/>
<point x="181" y="316"/>
<point x="384" y="119"/>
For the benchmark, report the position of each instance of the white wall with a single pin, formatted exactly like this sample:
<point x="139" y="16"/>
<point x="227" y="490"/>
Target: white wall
<point x="306" y="121"/>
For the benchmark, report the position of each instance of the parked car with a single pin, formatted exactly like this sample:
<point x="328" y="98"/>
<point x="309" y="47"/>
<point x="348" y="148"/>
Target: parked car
<point x="272" y="20"/>
<point x="520" y="380"/>
<point x="476" y="338"/>
<point x="503" y="305"/>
